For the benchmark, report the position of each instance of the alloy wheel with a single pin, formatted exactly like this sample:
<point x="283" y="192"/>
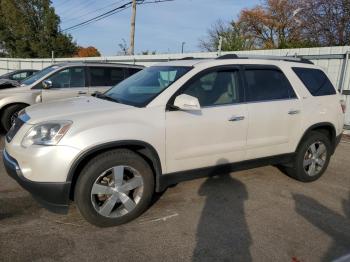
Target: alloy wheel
<point x="117" y="191"/>
<point x="315" y="158"/>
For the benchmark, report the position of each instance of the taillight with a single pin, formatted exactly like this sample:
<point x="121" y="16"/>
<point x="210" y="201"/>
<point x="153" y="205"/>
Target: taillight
<point x="343" y="105"/>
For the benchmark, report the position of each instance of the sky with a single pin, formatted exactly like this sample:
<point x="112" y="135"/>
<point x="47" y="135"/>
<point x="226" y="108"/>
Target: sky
<point x="160" y="27"/>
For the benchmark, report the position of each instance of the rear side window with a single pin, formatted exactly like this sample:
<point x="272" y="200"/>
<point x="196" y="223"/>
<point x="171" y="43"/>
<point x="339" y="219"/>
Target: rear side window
<point x="106" y="76"/>
<point x="315" y="81"/>
<point x="131" y="71"/>
<point x="267" y="84"/>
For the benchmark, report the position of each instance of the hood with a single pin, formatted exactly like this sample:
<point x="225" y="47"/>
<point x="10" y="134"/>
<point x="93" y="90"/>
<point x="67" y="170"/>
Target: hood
<point x="17" y="89"/>
<point x="7" y="83"/>
<point x="69" y="109"/>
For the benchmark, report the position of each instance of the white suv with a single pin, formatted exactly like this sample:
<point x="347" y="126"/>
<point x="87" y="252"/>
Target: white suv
<point x="173" y="122"/>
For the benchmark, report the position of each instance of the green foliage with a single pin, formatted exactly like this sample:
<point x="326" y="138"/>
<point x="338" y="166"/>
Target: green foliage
<point x="232" y="38"/>
<point x="30" y="29"/>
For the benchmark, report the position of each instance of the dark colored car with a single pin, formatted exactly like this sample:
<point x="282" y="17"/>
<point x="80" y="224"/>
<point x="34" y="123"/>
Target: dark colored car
<point x="19" y="75"/>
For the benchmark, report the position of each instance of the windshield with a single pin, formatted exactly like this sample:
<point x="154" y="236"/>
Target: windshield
<point x="141" y="88"/>
<point x="30" y="80"/>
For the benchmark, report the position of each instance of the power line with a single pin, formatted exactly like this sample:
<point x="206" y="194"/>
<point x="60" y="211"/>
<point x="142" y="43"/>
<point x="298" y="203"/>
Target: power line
<point x="112" y="12"/>
<point x="72" y="10"/>
<point x="92" y="12"/>
<point x="62" y="3"/>
<point x="106" y="14"/>
<point x="84" y="25"/>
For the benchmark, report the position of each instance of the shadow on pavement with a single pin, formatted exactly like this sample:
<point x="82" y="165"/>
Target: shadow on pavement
<point x="16" y="207"/>
<point x="333" y="224"/>
<point x="222" y="232"/>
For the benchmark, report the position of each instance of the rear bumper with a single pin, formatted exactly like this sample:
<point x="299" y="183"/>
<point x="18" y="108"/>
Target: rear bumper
<point x="52" y="196"/>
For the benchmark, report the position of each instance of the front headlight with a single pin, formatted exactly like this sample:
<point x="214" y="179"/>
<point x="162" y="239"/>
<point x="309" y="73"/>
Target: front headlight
<point x="48" y="133"/>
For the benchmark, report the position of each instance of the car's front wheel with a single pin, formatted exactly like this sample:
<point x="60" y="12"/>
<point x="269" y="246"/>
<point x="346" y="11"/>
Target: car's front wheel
<point x="312" y="158"/>
<point x="10" y="114"/>
<point x="114" y="188"/>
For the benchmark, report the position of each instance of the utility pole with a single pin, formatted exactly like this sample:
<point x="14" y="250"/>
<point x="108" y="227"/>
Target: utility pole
<point x="220" y="45"/>
<point x="132" y="32"/>
<point x="52" y="57"/>
<point x="182" y="47"/>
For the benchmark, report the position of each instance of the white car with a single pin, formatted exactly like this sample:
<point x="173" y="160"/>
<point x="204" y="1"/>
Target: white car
<point x="173" y="122"/>
<point x="61" y="81"/>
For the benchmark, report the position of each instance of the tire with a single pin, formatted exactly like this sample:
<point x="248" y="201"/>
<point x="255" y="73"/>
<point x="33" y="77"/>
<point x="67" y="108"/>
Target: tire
<point x="8" y="114"/>
<point x="104" y="170"/>
<point x="302" y="166"/>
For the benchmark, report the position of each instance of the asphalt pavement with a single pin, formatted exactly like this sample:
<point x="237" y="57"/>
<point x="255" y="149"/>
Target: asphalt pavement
<point x="254" y="215"/>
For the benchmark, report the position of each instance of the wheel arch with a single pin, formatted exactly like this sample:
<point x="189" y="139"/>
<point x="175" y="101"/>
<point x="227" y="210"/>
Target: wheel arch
<point x="3" y="108"/>
<point x="325" y="127"/>
<point x="145" y="150"/>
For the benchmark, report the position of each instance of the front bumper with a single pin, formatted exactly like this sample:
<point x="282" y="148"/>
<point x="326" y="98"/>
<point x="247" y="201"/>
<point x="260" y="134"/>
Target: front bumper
<point x="53" y="196"/>
<point x="336" y="142"/>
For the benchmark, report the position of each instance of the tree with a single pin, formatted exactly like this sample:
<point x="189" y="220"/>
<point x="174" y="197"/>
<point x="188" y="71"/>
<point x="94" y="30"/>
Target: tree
<point x="325" y="22"/>
<point x="124" y="49"/>
<point x="231" y="34"/>
<point x="30" y="29"/>
<point x="89" y="51"/>
<point x="272" y="25"/>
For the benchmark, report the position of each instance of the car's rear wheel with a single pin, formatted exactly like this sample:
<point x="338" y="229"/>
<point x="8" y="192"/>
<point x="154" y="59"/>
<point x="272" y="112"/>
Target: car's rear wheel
<point x="10" y="114"/>
<point x="312" y="158"/>
<point x="114" y="188"/>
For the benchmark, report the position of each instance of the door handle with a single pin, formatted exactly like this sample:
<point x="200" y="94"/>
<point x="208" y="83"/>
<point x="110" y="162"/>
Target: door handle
<point x="82" y="93"/>
<point x="236" y="118"/>
<point x="294" y="112"/>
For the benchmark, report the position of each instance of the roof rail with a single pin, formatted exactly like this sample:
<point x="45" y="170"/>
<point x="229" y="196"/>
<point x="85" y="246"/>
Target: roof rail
<point x="295" y="59"/>
<point x="228" y="56"/>
<point x="190" y="58"/>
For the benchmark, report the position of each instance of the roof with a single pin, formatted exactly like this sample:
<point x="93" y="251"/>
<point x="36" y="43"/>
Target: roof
<point x="234" y="59"/>
<point x="87" y="63"/>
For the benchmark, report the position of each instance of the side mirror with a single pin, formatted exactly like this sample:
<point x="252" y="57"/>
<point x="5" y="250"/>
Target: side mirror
<point x="187" y="103"/>
<point x="47" y="84"/>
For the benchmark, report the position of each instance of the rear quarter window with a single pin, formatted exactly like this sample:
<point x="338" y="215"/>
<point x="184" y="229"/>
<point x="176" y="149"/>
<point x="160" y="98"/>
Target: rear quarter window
<point x="315" y="81"/>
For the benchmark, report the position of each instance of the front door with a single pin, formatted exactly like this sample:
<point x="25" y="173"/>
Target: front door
<point x="214" y="135"/>
<point x="69" y="82"/>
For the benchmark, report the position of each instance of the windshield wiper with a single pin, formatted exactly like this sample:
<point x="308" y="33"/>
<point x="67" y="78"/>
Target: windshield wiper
<point x="105" y="97"/>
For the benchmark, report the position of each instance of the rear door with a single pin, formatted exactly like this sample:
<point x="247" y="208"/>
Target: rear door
<point x="68" y="82"/>
<point x="274" y="112"/>
<point x="103" y="78"/>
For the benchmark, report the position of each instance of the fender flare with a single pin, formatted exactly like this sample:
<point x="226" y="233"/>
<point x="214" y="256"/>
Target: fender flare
<point x="320" y="125"/>
<point x="145" y="150"/>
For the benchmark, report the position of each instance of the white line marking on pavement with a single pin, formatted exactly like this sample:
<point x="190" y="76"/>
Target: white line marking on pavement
<point x="161" y="219"/>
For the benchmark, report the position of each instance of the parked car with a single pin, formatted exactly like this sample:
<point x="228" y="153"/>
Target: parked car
<point x="19" y="75"/>
<point x="61" y="81"/>
<point x="14" y="78"/>
<point x="173" y="122"/>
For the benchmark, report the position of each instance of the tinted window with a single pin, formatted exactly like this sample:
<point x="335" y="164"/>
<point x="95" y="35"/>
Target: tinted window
<point x="267" y="84"/>
<point x="216" y="88"/>
<point x="116" y="76"/>
<point x="67" y="78"/>
<point x="104" y="76"/>
<point x="39" y="75"/>
<point x="131" y="71"/>
<point x="144" y="86"/>
<point x="315" y="81"/>
<point x="19" y="76"/>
